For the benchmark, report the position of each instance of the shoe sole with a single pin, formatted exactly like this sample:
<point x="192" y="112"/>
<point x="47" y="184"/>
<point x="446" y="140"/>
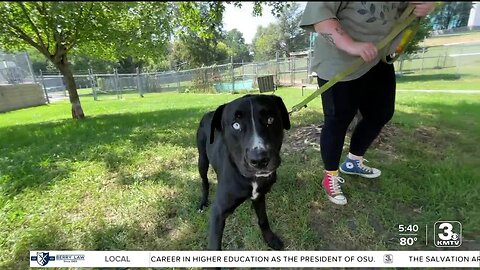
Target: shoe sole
<point x="335" y="201"/>
<point x="359" y="174"/>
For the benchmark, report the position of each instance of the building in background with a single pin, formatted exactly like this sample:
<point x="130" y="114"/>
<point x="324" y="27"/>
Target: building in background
<point x="474" y="18"/>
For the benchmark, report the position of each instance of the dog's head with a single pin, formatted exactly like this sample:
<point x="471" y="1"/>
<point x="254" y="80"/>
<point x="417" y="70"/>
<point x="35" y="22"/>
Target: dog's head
<point x="252" y="128"/>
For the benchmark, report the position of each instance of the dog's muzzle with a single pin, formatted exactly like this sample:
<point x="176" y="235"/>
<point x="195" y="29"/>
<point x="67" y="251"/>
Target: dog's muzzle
<point x="258" y="158"/>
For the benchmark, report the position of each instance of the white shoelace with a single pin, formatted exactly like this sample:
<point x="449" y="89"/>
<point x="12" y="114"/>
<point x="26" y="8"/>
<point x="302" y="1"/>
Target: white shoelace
<point x="364" y="167"/>
<point x="334" y="184"/>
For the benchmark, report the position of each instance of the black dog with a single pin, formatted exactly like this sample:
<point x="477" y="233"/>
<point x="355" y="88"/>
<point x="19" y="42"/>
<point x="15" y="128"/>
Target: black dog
<point x="242" y="140"/>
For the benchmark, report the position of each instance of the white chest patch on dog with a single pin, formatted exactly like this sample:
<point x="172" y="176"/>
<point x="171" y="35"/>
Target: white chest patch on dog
<point x="254" y="190"/>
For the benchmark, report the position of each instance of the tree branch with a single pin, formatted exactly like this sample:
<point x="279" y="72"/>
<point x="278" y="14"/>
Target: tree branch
<point x="34" y="27"/>
<point x="23" y="36"/>
<point x="79" y="24"/>
<point x="71" y="45"/>
<point x="43" y="11"/>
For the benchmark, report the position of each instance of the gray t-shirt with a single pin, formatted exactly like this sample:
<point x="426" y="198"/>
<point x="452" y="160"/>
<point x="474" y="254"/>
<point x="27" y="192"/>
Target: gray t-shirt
<point x="363" y="21"/>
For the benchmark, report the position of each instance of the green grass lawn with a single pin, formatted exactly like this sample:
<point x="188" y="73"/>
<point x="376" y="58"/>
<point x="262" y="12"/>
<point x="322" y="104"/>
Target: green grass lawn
<point x="125" y="178"/>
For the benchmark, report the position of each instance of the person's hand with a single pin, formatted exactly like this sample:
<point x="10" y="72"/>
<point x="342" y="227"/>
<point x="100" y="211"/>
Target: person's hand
<point x="422" y="9"/>
<point x="367" y="50"/>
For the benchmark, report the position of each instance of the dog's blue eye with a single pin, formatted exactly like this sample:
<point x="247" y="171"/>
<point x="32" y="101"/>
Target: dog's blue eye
<point x="236" y="126"/>
<point x="270" y="120"/>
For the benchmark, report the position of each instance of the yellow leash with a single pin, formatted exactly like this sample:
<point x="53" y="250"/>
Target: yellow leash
<point x="405" y="20"/>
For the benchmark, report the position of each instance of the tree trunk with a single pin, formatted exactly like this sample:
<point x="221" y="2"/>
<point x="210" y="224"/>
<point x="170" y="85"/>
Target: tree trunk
<point x="64" y="67"/>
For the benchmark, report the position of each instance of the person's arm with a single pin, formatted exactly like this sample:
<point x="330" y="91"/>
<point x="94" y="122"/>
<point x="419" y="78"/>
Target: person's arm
<point x="333" y="32"/>
<point x="422" y="9"/>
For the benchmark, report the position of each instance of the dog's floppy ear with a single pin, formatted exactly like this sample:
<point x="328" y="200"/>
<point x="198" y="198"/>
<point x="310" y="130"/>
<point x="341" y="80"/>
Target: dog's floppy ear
<point x="283" y="111"/>
<point x="216" y="122"/>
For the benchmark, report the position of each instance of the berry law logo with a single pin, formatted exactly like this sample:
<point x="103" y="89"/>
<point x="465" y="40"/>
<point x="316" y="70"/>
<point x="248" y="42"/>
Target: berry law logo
<point x="447" y="234"/>
<point x="42" y="258"/>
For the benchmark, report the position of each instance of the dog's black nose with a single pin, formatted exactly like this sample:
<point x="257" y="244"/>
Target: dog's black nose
<point x="258" y="158"/>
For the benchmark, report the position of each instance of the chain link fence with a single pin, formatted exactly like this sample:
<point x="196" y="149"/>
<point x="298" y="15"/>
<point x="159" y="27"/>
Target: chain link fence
<point x="456" y="59"/>
<point x="460" y="59"/>
<point x="18" y="88"/>
<point x="15" y="68"/>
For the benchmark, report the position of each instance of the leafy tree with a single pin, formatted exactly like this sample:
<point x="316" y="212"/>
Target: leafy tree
<point x="237" y="48"/>
<point x="108" y="30"/>
<point x="266" y="42"/>
<point x="451" y="15"/>
<point x="81" y="63"/>
<point x="293" y="37"/>
<point x="192" y="51"/>
<point x="103" y="29"/>
<point x="39" y="62"/>
<point x="284" y="36"/>
<point x="423" y="32"/>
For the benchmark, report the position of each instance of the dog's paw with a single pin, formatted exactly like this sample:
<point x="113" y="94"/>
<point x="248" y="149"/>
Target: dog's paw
<point x="274" y="241"/>
<point x="202" y="206"/>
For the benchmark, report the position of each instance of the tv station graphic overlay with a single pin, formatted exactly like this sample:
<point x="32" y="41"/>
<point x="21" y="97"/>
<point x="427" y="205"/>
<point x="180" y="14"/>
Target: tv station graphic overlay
<point x="447" y="234"/>
<point x="277" y="259"/>
<point x="441" y="234"/>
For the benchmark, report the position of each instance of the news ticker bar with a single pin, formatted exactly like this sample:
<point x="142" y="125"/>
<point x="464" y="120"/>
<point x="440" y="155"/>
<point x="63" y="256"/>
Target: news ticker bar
<point x="280" y="259"/>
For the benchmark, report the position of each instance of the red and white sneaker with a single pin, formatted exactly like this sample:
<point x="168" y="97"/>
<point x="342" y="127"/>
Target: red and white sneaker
<point x="331" y="185"/>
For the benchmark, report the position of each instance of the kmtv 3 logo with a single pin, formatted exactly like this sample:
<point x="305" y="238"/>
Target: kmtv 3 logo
<point x="447" y="234"/>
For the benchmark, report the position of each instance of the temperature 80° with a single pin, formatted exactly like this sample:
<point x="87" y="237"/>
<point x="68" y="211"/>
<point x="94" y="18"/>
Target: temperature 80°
<point x="407" y="241"/>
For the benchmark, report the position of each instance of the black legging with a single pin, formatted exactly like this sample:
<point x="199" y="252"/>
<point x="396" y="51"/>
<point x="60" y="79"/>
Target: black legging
<point x="374" y="95"/>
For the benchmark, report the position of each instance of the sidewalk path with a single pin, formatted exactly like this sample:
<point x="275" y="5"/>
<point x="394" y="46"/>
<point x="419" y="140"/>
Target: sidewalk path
<point x="454" y="91"/>
<point x="442" y="91"/>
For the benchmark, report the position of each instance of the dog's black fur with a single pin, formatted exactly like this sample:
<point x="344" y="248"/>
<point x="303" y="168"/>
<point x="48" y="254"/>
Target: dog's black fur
<point x="242" y="141"/>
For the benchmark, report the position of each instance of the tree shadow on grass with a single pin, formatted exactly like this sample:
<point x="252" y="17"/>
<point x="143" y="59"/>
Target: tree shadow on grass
<point x="174" y="225"/>
<point x="179" y="227"/>
<point x="51" y="237"/>
<point x="444" y="130"/>
<point x="428" y="77"/>
<point x="35" y="155"/>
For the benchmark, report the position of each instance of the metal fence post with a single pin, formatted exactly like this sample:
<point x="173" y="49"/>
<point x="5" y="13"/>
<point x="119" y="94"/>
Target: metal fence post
<point x="243" y="70"/>
<point x="402" y="58"/>
<point x="92" y="84"/>
<point x="30" y="67"/>
<point x="139" y="87"/>
<point x="44" y="88"/>
<point x="423" y="58"/>
<point x="115" y="82"/>
<point x="292" y="69"/>
<point x="232" y="73"/>
<point x="445" y="58"/>
<point x="177" y="78"/>
<point x="276" y="67"/>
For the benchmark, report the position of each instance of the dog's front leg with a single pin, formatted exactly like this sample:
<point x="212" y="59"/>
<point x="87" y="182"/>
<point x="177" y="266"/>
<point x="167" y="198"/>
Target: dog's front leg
<point x="217" y="224"/>
<point x="270" y="238"/>
<point x="222" y="208"/>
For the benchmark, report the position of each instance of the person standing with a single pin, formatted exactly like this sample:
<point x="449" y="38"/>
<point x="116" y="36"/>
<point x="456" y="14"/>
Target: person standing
<point x="348" y="30"/>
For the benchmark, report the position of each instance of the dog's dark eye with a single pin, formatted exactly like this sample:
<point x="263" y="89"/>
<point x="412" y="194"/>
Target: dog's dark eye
<point x="270" y="120"/>
<point x="236" y="126"/>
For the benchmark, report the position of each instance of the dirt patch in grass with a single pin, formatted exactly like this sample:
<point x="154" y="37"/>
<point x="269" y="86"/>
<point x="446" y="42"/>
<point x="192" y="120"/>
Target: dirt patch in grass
<point x="429" y="136"/>
<point x="323" y="222"/>
<point x="326" y="223"/>
<point x="302" y="138"/>
<point x="308" y="137"/>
